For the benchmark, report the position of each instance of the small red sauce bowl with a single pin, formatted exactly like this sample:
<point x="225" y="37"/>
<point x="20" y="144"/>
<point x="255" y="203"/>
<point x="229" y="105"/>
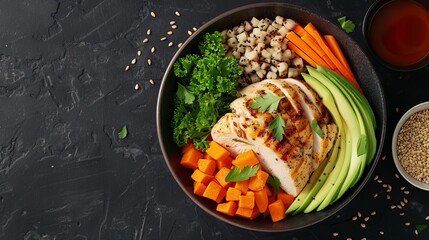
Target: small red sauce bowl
<point x="387" y="31"/>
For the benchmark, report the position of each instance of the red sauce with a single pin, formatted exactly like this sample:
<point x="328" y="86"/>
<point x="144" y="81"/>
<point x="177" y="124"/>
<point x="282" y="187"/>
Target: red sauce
<point x="399" y="32"/>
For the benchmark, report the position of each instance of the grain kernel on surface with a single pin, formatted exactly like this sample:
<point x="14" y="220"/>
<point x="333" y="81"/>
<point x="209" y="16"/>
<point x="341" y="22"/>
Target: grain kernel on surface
<point x="139" y="53"/>
<point x="133" y="61"/>
<point x="177" y="13"/>
<point x="335" y="234"/>
<point x="153" y="14"/>
<point x="151" y="82"/>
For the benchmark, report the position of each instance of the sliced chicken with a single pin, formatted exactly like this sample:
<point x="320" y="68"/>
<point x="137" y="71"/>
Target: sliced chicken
<point x="300" y="152"/>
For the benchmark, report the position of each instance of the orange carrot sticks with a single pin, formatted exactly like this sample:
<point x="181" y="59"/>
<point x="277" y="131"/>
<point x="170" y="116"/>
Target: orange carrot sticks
<point x="295" y="39"/>
<point x="343" y="70"/>
<point x="294" y="48"/>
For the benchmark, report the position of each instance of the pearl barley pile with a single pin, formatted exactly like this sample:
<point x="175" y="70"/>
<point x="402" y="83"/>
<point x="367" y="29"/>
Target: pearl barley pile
<point x="413" y="146"/>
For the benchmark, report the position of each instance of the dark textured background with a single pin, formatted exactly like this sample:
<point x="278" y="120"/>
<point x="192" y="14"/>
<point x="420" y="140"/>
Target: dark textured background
<point x="64" y="94"/>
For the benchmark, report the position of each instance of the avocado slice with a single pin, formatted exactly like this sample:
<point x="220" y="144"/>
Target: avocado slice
<point x="318" y="178"/>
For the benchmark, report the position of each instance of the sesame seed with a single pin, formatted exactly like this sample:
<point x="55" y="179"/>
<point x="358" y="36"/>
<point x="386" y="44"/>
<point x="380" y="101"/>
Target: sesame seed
<point x="139" y="53"/>
<point x="170" y="44"/>
<point x="359" y="214"/>
<point x="389" y="190"/>
<point x="335" y="234"/>
<point x="383" y="158"/>
<point x="133" y="61"/>
<point x="189" y="33"/>
<point x="373" y="213"/>
<point x="405" y="200"/>
<point x="381" y="233"/>
<point x="163" y="39"/>
<point x="194" y="28"/>
<point x="363" y="238"/>
<point x="145" y="40"/>
<point x="152" y="50"/>
<point x="396" y="175"/>
<point x="354" y="218"/>
<point x="152" y="14"/>
<point x="399" y="206"/>
<point x="427" y="217"/>
<point x="172" y="22"/>
<point x="349" y="239"/>
<point x="384" y="185"/>
<point x="379" y="181"/>
<point x="375" y="195"/>
<point x="397" y="109"/>
<point x="366" y="219"/>
<point x="148" y="32"/>
<point x="170" y="33"/>
<point x="375" y="178"/>
<point x="402" y="188"/>
<point x="136" y="87"/>
<point x="127" y="68"/>
<point x="402" y="203"/>
<point x="152" y="82"/>
<point x="388" y="196"/>
<point x="416" y="232"/>
<point x="173" y="26"/>
<point x="179" y="45"/>
<point x="149" y="61"/>
<point x="407" y="192"/>
<point x="363" y="225"/>
<point x="177" y="13"/>
<point x="392" y="206"/>
<point x="407" y="224"/>
<point x="401" y="214"/>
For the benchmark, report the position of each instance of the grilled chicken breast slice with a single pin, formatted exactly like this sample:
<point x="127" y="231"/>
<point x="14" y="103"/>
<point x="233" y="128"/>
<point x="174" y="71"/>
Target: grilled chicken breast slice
<point x="294" y="158"/>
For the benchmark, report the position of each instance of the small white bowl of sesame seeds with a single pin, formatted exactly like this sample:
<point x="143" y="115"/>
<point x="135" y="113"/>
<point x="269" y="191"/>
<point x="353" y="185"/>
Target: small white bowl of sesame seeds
<point x="410" y="146"/>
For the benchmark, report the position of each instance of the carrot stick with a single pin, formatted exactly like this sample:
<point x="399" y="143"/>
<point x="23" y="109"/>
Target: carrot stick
<point x="295" y="39"/>
<point x="343" y="70"/>
<point x="335" y="47"/>
<point x="299" y="30"/>
<point x="300" y="53"/>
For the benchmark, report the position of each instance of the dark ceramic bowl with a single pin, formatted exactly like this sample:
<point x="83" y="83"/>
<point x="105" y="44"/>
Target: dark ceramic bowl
<point x="366" y="26"/>
<point x="360" y="64"/>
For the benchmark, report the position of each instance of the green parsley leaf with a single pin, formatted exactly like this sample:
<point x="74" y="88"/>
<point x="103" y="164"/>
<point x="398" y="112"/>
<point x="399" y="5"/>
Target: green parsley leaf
<point x="184" y="94"/>
<point x="275" y="183"/>
<point x="123" y="132"/>
<point x="277" y="125"/>
<point x="421" y="227"/>
<point x="347" y="25"/>
<point x="315" y="127"/>
<point x="267" y="101"/>
<point x="238" y="175"/>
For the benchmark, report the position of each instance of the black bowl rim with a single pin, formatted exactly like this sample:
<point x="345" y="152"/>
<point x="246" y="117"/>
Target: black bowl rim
<point x="331" y="210"/>
<point x="372" y="10"/>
